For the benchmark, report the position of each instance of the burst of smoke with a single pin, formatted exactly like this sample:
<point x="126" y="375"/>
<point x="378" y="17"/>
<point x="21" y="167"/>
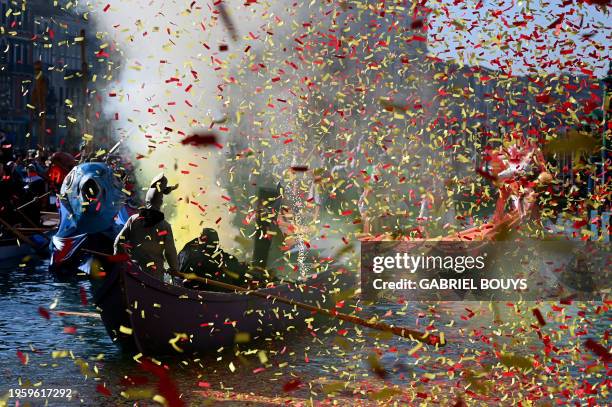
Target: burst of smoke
<point x="169" y="86"/>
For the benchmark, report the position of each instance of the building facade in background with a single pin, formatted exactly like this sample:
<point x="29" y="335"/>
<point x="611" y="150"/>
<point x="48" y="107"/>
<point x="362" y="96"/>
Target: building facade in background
<point x="46" y="75"/>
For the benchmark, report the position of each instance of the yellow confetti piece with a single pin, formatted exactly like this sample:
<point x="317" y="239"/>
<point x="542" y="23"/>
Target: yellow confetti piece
<point x="57" y="354"/>
<point x="415" y="349"/>
<point x="177" y="337"/>
<point x="242" y="337"/>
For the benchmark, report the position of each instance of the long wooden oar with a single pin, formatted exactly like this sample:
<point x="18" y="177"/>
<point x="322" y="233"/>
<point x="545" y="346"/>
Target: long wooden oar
<point x="36" y="229"/>
<point x="19" y="208"/>
<point x="20" y="235"/>
<point x="60" y="313"/>
<point x="380" y="326"/>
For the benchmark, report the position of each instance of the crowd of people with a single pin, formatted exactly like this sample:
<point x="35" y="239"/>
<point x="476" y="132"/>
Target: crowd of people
<point x="28" y="180"/>
<point x="31" y="179"/>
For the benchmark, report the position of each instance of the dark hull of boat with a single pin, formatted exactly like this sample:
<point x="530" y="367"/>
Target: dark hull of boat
<point x="11" y="250"/>
<point x="167" y="319"/>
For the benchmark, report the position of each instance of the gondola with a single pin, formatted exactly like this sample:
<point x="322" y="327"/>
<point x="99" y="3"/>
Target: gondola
<point x="145" y="315"/>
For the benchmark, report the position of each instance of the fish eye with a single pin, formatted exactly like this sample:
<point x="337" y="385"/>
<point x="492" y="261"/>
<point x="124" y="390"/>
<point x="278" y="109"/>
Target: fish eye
<point x="90" y="190"/>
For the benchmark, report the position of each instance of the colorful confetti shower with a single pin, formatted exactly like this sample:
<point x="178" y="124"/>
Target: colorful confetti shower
<point x="299" y="131"/>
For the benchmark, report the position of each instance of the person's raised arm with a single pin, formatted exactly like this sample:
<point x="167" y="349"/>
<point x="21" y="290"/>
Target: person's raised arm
<point x="121" y="239"/>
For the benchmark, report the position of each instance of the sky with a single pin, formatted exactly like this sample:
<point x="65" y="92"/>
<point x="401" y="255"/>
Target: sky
<point x="522" y="37"/>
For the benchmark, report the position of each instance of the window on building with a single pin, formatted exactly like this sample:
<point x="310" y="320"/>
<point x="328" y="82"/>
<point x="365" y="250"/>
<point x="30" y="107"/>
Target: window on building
<point x="15" y="53"/>
<point x="4" y="52"/>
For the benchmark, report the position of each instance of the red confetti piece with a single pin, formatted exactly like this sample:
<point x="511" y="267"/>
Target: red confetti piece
<point x="543" y="98"/>
<point x="44" y="313"/>
<point x="100" y="388"/>
<point x="292" y="385"/>
<point x="299" y="168"/>
<point x="22" y="357"/>
<point x="598" y="349"/>
<point x="83" y="295"/>
<point x="417" y="24"/>
<point x="206" y="139"/>
<point x="165" y="385"/>
<point x="70" y="330"/>
<point x="118" y="258"/>
<point x="538" y="315"/>
<point x="581" y="223"/>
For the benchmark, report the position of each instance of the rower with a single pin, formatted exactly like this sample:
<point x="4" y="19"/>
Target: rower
<point x="34" y="186"/>
<point x="147" y="237"/>
<point x="204" y="257"/>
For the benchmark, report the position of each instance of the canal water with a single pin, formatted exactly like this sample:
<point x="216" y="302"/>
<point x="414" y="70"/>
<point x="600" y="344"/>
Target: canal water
<point x="39" y="348"/>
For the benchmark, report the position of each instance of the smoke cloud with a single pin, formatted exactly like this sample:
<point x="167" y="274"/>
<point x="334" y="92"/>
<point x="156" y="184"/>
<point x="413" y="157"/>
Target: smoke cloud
<point x="168" y="85"/>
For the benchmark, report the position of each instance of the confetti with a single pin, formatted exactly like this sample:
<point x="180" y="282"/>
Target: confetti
<point x="207" y="139"/>
<point x="44" y="313"/>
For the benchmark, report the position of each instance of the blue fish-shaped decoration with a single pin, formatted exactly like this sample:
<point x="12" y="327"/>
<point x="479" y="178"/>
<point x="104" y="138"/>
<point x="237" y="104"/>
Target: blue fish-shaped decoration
<point x="92" y="212"/>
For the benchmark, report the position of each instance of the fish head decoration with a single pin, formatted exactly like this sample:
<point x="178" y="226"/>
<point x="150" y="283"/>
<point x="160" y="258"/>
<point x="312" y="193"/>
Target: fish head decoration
<point x="91" y="196"/>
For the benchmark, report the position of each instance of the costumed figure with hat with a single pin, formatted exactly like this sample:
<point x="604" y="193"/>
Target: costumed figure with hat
<point x="147" y="237"/>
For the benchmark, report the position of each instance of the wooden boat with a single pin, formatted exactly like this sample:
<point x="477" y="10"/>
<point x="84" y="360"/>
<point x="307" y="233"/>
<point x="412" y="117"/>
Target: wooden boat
<point x="146" y="315"/>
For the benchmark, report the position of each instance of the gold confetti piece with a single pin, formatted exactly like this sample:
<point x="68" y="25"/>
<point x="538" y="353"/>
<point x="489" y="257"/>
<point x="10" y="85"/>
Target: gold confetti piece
<point x="59" y="354"/>
<point x="415" y="349"/>
<point x="160" y="399"/>
<point x="242" y="337"/>
<point x="263" y="358"/>
<point x="514" y="360"/>
<point x="177" y="337"/>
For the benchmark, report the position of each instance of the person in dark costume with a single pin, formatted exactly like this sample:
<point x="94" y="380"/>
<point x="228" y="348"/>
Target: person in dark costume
<point x="34" y="186"/>
<point x="147" y="237"/>
<point x="204" y="257"/>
